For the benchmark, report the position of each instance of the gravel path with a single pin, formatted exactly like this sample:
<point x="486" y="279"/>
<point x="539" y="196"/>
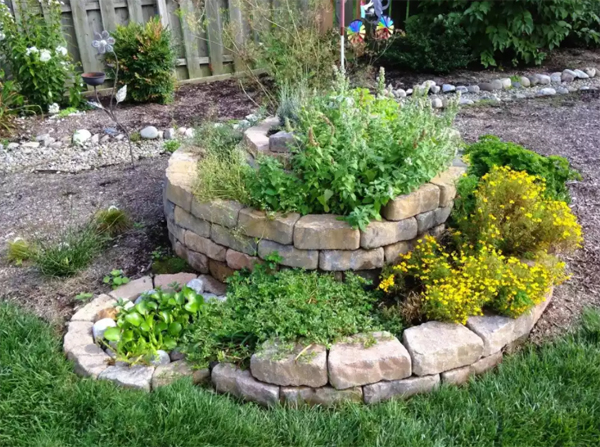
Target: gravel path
<point x="566" y="125"/>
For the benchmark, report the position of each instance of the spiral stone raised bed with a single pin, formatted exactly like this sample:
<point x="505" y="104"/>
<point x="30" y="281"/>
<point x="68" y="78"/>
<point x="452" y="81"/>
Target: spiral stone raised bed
<point x="222" y="236"/>
<point x="367" y="368"/>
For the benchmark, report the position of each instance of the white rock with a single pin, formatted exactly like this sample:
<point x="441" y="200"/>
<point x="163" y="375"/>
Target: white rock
<point x="506" y="83"/>
<point x="161" y="134"/>
<point x="95" y="138"/>
<point x="137" y="376"/>
<point x="580" y="74"/>
<point x="12" y="146"/>
<point x="447" y="88"/>
<point x="211" y="296"/>
<point x="81" y="136"/>
<point x="400" y="93"/>
<point x="189" y="133"/>
<point x="462" y="89"/>
<point x="465" y="102"/>
<point x="548" y="91"/>
<point x="473" y="89"/>
<point x="149" y="133"/>
<point x="562" y="90"/>
<point x="197" y="285"/>
<point x="544" y="79"/>
<point x="437" y="103"/>
<point x="169" y="134"/>
<point x="591" y="72"/>
<point x="101" y="326"/>
<point x="409" y="92"/>
<point x="31" y="145"/>
<point x="435" y="89"/>
<point x="161" y="358"/>
<point x="105" y="139"/>
<point x="556" y="77"/>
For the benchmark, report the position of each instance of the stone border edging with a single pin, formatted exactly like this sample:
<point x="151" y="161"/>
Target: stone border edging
<point x="223" y="236"/>
<point x="367" y="368"/>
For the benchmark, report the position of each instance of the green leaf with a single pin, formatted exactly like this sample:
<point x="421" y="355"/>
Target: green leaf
<point x="134" y="318"/>
<point x="175" y="329"/>
<point x="142" y="307"/>
<point x="112" y="334"/>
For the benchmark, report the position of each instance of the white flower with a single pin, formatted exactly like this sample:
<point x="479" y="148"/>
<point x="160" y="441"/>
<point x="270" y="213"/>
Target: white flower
<point x="61" y="50"/>
<point x="2" y="36"/>
<point x="31" y="50"/>
<point x="113" y="208"/>
<point x="45" y="55"/>
<point x="53" y="109"/>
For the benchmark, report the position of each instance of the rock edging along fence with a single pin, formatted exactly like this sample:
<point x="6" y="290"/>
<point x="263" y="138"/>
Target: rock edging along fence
<point x="367" y="368"/>
<point x="222" y="236"/>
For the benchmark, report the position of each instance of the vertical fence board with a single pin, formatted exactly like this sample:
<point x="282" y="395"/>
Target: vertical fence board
<point x="215" y="37"/>
<point x="163" y="12"/>
<point x="190" y="44"/>
<point x="237" y="23"/>
<point x="84" y="35"/>
<point x="107" y="10"/>
<point x="135" y="11"/>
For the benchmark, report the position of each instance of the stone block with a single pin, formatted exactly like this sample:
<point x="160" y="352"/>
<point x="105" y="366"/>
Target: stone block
<point x="442" y="214"/>
<point x="281" y="142"/>
<point x="281" y="364"/>
<point x="220" y="212"/>
<point x="90" y="365"/>
<point x="378" y="234"/>
<point x="133" y="289"/>
<point x="424" y="199"/>
<point x="238" y="261"/>
<point x="181" y="175"/>
<point x="186" y="220"/>
<point x="163" y="281"/>
<point x="342" y="260"/>
<point x="426" y="220"/>
<point x="256" y="137"/>
<point x="90" y="311"/>
<point x="437" y="231"/>
<point x="446" y="181"/>
<point x="211" y="285"/>
<point x="291" y="256"/>
<point x="457" y="376"/>
<point x="176" y="230"/>
<point x="233" y="239"/>
<point x="137" y="376"/>
<point x="393" y="251"/>
<point x="325" y="396"/>
<point x="205" y="246"/>
<point x="351" y="363"/>
<point x="197" y="261"/>
<point x="169" y="373"/>
<point x="400" y="389"/>
<point x="486" y="363"/>
<point x="325" y="232"/>
<point x="169" y="209"/>
<point x="278" y="227"/>
<point x="219" y="270"/>
<point x="79" y="334"/>
<point x="229" y="379"/>
<point x="436" y="347"/>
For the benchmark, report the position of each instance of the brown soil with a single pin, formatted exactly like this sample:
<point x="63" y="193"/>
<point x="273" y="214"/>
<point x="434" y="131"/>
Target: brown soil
<point x="193" y="104"/>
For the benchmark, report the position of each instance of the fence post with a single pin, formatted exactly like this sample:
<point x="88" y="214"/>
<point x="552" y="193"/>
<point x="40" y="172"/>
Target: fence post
<point x="83" y="33"/>
<point x="135" y="11"/>
<point x="107" y="11"/>
<point x="215" y="36"/>
<point x="235" y="17"/>
<point x="163" y="12"/>
<point x="190" y="40"/>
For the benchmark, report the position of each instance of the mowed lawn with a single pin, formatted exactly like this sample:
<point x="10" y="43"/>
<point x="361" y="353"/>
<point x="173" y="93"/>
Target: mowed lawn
<point x="547" y="396"/>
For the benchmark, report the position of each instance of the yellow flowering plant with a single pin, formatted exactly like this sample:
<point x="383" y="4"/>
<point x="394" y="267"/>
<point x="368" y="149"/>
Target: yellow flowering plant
<point x="514" y="214"/>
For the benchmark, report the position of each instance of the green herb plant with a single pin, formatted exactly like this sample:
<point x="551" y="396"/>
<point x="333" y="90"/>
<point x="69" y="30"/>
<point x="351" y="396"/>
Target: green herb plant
<point x="115" y="279"/>
<point x="158" y="321"/>
<point x="171" y="145"/>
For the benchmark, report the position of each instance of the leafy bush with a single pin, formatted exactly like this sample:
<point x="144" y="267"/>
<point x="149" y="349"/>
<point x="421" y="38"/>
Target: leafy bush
<point x="19" y="250"/>
<point x="438" y="45"/>
<point x="35" y="51"/>
<point x="171" y="145"/>
<point x="517" y="31"/>
<point x="490" y="151"/>
<point x="146" y="59"/>
<point x="289" y="305"/>
<point x="357" y="151"/>
<point x="158" y="321"/>
<point x="512" y="215"/>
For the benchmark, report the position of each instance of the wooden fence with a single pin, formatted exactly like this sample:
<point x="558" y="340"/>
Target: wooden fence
<point x="200" y="52"/>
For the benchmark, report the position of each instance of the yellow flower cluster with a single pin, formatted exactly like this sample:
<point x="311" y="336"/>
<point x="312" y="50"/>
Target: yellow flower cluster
<point x="514" y="215"/>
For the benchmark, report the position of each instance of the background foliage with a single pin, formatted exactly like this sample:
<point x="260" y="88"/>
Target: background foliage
<point x="146" y="59"/>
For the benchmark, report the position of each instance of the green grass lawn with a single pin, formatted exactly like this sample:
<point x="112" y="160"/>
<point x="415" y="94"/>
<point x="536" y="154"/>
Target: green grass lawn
<point x="541" y="397"/>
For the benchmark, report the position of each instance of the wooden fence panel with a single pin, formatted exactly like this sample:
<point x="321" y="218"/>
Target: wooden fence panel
<point x="107" y="11"/>
<point x="84" y="35"/>
<point x="215" y="36"/>
<point x="135" y="11"/>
